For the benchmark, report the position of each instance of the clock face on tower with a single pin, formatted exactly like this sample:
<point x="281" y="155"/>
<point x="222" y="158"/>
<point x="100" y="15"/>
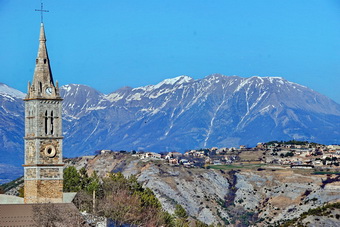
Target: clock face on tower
<point x="48" y="90"/>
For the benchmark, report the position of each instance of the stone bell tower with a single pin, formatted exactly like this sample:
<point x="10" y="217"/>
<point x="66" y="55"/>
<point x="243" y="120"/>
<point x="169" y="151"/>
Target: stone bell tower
<point x="43" y="133"/>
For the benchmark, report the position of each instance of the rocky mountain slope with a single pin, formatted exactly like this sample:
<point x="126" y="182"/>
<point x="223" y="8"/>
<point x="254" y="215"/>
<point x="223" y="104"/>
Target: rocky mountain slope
<point x="178" y="114"/>
<point x="182" y="113"/>
<point x="265" y="196"/>
<point x="11" y="132"/>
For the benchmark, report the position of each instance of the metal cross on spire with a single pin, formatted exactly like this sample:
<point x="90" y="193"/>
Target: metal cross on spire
<point x="42" y="11"/>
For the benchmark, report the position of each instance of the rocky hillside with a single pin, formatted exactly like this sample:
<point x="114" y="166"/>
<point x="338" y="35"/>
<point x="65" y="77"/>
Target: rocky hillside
<point x="243" y="196"/>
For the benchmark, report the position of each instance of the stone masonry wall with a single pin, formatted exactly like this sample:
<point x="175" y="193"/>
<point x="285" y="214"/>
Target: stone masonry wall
<point x="43" y="191"/>
<point x="30" y="191"/>
<point x="50" y="173"/>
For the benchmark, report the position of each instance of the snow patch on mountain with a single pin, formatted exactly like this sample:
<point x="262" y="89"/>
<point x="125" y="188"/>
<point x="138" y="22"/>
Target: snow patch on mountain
<point x="266" y="109"/>
<point x="274" y="79"/>
<point x="67" y="87"/>
<point x="10" y="92"/>
<point x="298" y="85"/>
<point x="134" y="97"/>
<point x="114" y="97"/>
<point x="177" y="80"/>
<point x="96" y="108"/>
<point x="243" y="83"/>
<point x="174" y="81"/>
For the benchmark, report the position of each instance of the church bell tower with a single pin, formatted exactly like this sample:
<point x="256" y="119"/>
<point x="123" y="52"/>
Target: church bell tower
<point x="43" y="168"/>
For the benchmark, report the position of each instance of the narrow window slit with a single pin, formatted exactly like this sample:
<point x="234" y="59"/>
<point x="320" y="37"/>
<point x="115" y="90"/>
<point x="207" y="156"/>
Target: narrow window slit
<point x="51" y="122"/>
<point x="46" y="122"/>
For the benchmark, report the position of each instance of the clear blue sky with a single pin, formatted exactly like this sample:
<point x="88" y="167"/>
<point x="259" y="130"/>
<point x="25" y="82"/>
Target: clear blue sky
<point x="108" y="44"/>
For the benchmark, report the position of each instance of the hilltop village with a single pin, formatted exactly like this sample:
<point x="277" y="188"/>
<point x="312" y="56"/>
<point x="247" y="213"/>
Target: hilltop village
<point x="292" y="154"/>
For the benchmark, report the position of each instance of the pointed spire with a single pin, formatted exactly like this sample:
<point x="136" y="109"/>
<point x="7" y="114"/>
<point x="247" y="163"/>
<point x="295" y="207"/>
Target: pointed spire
<point x="43" y="84"/>
<point x="42" y="51"/>
<point x="42" y="33"/>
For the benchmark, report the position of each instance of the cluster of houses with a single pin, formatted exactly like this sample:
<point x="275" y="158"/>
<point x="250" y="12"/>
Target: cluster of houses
<point x="173" y="158"/>
<point x="306" y="155"/>
<point x="193" y="158"/>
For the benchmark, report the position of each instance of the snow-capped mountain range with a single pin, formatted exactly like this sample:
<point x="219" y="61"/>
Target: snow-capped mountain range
<point x="178" y="114"/>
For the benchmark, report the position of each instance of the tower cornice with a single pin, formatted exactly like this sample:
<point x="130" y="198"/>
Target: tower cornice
<point x="42" y="137"/>
<point x="45" y="99"/>
<point x="45" y="165"/>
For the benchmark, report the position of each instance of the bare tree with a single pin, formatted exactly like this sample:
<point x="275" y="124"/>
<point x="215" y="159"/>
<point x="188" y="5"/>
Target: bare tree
<point x="57" y="215"/>
<point x="121" y="207"/>
<point x="84" y="201"/>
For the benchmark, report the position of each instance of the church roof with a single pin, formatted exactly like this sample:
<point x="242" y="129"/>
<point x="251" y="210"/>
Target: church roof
<point x="16" y="215"/>
<point x="60" y="214"/>
<point x="10" y="199"/>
